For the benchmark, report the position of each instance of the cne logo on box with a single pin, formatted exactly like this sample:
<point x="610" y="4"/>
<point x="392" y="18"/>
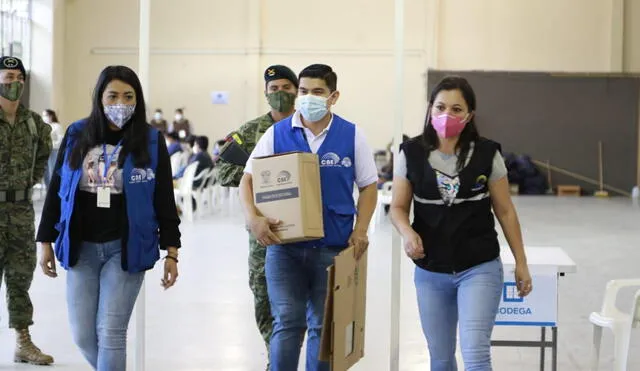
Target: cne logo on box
<point x="283" y="177"/>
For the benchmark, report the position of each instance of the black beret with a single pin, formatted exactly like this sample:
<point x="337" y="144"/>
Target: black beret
<point x="12" y="63"/>
<point x="277" y="72"/>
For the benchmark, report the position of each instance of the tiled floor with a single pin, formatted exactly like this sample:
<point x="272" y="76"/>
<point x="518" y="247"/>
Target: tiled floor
<point x="206" y="321"/>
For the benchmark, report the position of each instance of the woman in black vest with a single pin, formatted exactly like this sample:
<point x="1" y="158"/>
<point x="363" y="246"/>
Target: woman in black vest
<point x="454" y="178"/>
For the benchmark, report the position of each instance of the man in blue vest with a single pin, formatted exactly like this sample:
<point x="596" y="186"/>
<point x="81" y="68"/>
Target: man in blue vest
<point x="297" y="273"/>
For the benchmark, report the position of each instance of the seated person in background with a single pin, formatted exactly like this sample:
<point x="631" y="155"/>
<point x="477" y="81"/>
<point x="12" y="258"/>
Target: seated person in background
<point x="181" y="125"/>
<point x="188" y="143"/>
<point x="158" y="122"/>
<point x="201" y="144"/>
<point x="173" y="143"/>
<point x="386" y="172"/>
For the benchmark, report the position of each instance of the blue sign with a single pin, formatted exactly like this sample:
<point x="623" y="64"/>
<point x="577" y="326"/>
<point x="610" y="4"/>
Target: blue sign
<point x="539" y="308"/>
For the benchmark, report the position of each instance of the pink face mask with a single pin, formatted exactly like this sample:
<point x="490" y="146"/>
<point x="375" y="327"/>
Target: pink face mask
<point x="448" y="126"/>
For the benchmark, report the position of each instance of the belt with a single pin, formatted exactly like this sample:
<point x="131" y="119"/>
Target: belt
<point x="16" y="195"/>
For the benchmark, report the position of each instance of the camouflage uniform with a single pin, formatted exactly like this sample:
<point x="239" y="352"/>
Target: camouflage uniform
<point x="24" y="150"/>
<point x="229" y="175"/>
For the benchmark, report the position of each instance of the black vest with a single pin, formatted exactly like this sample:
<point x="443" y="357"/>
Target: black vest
<point x="461" y="235"/>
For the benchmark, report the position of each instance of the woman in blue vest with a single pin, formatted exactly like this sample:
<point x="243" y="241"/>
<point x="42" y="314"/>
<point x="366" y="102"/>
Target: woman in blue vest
<point x="297" y="273"/>
<point x="454" y="178"/>
<point x="109" y="208"/>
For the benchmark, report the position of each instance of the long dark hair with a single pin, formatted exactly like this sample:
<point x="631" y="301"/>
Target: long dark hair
<point x="52" y="116"/>
<point x="469" y="134"/>
<point x="135" y="132"/>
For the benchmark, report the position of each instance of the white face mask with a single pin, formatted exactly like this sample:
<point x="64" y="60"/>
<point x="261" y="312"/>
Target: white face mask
<point x="157" y="116"/>
<point x="312" y="107"/>
<point x="178" y="117"/>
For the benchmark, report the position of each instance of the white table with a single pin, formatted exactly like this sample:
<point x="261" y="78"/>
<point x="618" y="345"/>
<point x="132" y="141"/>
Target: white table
<point x="547" y="257"/>
<point x="543" y="256"/>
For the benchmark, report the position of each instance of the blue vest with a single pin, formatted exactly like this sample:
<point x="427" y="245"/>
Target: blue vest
<point x="337" y="175"/>
<point x="138" y="188"/>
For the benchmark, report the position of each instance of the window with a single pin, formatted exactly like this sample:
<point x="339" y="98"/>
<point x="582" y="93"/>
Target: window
<point x="15" y="29"/>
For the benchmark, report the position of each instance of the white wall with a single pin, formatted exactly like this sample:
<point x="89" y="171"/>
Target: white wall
<point x="204" y="45"/>
<point x="42" y="55"/>
<point x="632" y="36"/>
<point x="546" y="35"/>
<point x="47" y="55"/>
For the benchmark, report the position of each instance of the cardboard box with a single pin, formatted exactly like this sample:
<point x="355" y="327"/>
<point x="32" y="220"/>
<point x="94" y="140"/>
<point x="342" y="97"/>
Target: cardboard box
<point x="287" y="187"/>
<point x="342" y="339"/>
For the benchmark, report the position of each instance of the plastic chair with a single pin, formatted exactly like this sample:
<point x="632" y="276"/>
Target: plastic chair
<point x="184" y="192"/>
<point x="384" y="195"/>
<point x="384" y="199"/>
<point x="620" y="323"/>
<point x="203" y="194"/>
<point x="176" y="162"/>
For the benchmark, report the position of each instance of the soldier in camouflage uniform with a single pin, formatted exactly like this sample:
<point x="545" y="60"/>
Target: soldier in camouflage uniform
<point x="25" y="145"/>
<point x="280" y="90"/>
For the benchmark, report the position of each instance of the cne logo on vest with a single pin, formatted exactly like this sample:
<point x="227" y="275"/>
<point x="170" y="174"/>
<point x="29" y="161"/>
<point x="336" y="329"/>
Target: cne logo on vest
<point x="331" y="159"/>
<point x="480" y="184"/>
<point x="141" y="176"/>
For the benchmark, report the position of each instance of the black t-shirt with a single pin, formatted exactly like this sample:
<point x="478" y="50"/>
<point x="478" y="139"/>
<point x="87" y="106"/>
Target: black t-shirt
<point x="101" y="224"/>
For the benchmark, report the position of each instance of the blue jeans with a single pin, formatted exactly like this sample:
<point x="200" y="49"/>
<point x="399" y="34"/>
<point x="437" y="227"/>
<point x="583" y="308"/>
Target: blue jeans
<point x="471" y="298"/>
<point x="100" y="299"/>
<point x="297" y="287"/>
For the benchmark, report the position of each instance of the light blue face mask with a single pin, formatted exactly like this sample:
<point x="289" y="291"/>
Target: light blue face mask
<point x="312" y="107"/>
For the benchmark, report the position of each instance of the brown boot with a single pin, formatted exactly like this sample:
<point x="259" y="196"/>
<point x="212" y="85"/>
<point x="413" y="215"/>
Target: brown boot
<point x="27" y="352"/>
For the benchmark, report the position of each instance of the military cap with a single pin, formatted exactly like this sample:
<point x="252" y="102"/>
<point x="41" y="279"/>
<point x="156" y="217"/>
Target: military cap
<point x="12" y="63"/>
<point x="277" y="72"/>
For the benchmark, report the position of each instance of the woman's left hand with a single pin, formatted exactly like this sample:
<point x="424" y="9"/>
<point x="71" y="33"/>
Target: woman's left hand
<point x="523" y="279"/>
<point x="170" y="273"/>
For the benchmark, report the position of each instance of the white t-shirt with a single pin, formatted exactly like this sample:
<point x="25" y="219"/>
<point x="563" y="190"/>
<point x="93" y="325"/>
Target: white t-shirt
<point x="56" y="135"/>
<point x="366" y="171"/>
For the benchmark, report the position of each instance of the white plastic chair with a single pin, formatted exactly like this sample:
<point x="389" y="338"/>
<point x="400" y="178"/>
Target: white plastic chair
<point x="176" y="162"/>
<point x="385" y="192"/>
<point x="620" y="323"/>
<point x="202" y="194"/>
<point x="184" y="192"/>
<point x="384" y="199"/>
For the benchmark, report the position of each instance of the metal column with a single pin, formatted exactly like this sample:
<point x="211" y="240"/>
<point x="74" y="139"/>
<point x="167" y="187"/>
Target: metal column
<point x="143" y="74"/>
<point x="396" y="243"/>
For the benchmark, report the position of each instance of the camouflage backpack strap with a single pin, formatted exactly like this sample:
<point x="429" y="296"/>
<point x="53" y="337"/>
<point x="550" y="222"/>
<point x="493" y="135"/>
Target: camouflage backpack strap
<point x="33" y="130"/>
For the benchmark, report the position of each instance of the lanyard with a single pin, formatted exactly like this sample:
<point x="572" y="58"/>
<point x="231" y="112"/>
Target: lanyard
<point x="107" y="160"/>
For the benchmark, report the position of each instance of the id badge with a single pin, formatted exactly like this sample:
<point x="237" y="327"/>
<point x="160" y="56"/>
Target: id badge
<point x="104" y="197"/>
<point x="182" y="134"/>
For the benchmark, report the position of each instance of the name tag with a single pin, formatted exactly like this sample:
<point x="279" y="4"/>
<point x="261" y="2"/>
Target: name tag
<point x="182" y="134"/>
<point x="104" y="197"/>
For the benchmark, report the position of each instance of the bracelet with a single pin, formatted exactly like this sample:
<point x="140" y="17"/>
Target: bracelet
<point x="175" y="259"/>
